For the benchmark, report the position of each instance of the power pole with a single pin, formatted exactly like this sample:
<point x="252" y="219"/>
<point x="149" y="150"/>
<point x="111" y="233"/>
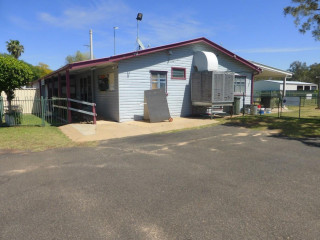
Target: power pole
<point x="91" y="47"/>
<point x="114" y="40"/>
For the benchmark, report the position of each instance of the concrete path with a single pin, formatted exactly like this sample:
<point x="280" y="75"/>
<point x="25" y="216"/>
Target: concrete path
<point x="105" y="130"/>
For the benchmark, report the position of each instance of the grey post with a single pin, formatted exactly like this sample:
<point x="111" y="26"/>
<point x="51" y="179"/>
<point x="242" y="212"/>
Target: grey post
<point x="42" y="111"/>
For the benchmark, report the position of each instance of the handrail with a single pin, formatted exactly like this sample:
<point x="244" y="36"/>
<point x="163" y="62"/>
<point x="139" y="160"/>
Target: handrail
<point x="75" y="110"/>
<point x="74" y="100"/>
<point x="69" y="109"/>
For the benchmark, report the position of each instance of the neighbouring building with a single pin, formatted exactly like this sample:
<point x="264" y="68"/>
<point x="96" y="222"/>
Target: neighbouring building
<point x="277" y="85"/>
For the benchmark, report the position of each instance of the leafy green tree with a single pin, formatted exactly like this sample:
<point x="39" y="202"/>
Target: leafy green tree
<point x="300" y="71"/>
<point x="35" y="71"/>
<point x="39" y="70"/>
<point x="314" y="72"/>
<point x="77" y="57"/>
<point x="43" y="69"/>
<point x="14" y="48"/>
<point x="13" y="74"/>
<point x="306" y="14"/>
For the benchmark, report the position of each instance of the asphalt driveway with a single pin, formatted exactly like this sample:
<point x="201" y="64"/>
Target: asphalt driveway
<point x="212" y="183"/>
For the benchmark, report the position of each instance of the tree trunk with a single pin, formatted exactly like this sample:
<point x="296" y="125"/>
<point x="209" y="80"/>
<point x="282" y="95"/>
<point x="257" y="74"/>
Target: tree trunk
<point x="10" y="96"/>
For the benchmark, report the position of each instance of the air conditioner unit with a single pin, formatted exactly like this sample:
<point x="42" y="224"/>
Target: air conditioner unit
<point x="212" y="88"/>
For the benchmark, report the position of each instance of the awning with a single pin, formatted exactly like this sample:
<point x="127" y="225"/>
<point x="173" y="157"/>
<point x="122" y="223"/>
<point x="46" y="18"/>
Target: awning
<point x="271" y="72"/>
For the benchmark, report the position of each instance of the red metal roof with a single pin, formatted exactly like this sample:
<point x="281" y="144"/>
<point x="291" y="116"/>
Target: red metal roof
<point x="120" y="57"/>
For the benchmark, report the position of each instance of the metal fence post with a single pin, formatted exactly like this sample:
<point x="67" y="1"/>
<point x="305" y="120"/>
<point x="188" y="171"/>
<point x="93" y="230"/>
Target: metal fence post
<point x="1" y="109"/>
<point x="299" y="106"/>
<point x="69" y="111"/>
<point x="281" y="101"/>
<point x="279" y="107"/>
<point x="42" y="111"/>
<point x="94" y="114"/>
<point x="243" y="104"/>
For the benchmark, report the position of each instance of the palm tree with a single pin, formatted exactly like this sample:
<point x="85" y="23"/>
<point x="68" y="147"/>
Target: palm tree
<point x="14" y="48"/>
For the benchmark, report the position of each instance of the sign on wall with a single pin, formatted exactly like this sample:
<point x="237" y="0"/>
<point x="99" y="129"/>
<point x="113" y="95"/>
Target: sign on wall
<point x="103" y="82"/>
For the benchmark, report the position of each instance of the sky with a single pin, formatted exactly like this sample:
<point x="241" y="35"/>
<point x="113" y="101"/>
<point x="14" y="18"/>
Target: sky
<point x="256" y="30"/>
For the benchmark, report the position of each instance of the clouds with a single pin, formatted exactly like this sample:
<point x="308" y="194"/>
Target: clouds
<point x="157" y="27"/>
<point x="84" y="17"/>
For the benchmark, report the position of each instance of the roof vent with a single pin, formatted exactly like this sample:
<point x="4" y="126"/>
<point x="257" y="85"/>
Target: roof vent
<point x="205" y="61"/>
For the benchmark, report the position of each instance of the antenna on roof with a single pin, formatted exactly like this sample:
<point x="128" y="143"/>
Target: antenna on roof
<point x="140" y="46"/>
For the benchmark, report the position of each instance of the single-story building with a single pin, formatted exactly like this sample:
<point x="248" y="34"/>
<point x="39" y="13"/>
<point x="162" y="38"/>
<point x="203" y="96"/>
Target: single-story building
<point x="117" y="84"/>
<point x="276" y="85"/>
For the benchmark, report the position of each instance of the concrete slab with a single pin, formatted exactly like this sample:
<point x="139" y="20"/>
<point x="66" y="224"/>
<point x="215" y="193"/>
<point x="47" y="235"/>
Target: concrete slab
<point x="85" y="129"/>
<point x="105" y="130"/>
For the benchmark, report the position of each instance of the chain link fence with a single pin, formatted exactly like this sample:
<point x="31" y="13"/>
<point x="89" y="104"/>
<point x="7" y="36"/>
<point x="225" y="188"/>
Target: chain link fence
<point x="296" y="104"/>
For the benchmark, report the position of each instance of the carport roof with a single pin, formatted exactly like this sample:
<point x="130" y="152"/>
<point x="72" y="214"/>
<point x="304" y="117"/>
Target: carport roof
<point x="95" y="62"/>
<point x="271" y="72"/>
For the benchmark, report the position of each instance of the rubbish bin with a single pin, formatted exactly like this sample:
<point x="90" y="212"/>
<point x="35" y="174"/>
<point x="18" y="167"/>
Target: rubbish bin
<point x="236" y="106"/>
<point x="266" y="101"/>
<point x="254" y="110"/>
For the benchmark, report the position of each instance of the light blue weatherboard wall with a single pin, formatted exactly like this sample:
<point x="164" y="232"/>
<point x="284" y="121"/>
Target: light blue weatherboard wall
<point x="134" y="79"/>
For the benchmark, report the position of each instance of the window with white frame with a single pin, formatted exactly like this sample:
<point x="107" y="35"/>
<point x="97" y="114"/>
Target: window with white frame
<point x="159" y="80"/>
<point x="239" y="84"/>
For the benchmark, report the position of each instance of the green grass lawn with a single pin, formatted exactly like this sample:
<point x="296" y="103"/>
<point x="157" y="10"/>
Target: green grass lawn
<point x="33" y="138"/>
<point x="30" y="136"/>
<point x="288" y="125"/>
<point x="29" y="119"/>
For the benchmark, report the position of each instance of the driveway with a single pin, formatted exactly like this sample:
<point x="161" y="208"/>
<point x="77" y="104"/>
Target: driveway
<point x="213" y="183"/>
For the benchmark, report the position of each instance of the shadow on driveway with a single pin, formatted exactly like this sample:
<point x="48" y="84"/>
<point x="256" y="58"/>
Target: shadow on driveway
<point x="305" y="130"/>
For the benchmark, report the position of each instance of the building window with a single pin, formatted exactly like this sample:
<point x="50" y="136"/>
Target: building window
<point x="239" y="84"/>
<point x="178" y="73"/>
<point x="159" y="80"/>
